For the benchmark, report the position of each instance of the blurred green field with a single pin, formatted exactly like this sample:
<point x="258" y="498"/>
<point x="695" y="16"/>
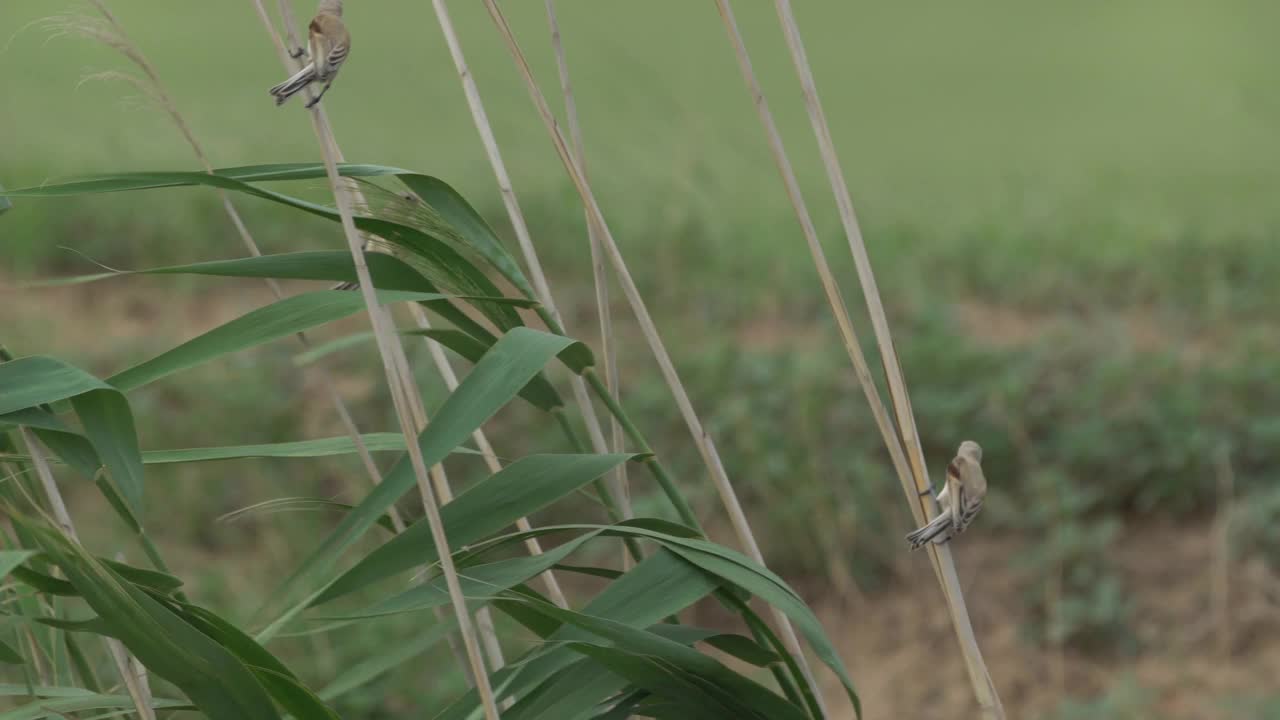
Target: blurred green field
<point x="1098" y="129"/>
<point x="1071" y="209"/>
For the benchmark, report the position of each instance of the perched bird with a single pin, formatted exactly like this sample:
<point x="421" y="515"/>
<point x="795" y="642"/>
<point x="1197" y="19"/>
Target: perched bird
<point x="329" y="42"/>
<point x="960" y="500"/>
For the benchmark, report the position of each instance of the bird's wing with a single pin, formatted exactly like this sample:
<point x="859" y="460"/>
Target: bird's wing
<point x="968" y="513"/>
<point x="337" y="55"/>
<point x="330" y="43"/>
<point x="972" y="488"/>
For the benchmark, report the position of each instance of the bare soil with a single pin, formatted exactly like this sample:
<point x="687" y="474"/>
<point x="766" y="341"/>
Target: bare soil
<point x="1194" y="653"/>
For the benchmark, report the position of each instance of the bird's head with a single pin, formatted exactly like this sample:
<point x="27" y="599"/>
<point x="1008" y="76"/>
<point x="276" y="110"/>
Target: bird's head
<point x="969" y="448"/>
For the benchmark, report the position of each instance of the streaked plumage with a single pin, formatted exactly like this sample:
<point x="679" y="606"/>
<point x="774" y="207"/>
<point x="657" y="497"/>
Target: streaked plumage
<point x="960" y="500"/>
<point x="329" y="43"/>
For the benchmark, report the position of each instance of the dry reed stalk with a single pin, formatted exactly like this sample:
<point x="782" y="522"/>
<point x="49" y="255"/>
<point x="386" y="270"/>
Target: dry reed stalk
<point x="117" y="38"/>
<point x="290" y="65"/>
<point x="829" y="286"/>
<point x="710" y="457"/>
<point x="137" y="670"/>
<point x="403" y="394"/>
<point x="38" y="660"/>
<point x="444" y="492"/>
<point x="486" y="449"/>
<point x="488" y="633"/>
<point x="403" y="389"/>
<point x="138" y="690"/>
<point x="608" y="346"/>
<point x="979" y="676"/>
<point x="420" y="317"/>
<point x="521" y="228"/>
<point x="1220" y="570"/>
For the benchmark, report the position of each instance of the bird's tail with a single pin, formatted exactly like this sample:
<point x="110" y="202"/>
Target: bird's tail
<point x="939" y="530"/>
<point x="294" y="85"/>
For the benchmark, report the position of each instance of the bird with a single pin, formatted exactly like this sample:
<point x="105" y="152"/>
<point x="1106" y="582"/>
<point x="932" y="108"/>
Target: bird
<point x="330" y="42"/>
<point x="960" y="500"/>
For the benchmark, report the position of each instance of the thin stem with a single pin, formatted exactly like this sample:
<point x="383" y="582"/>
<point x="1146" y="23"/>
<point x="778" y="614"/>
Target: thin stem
<point x="602" y="491"/>
<point x="659" y="472"/>
<point x="404" y="393"/>
<point x="832" y="290"/>
<point x="979" y="676"/>
<point x="521" y="228"/>
<point x="153" y="553"/>
<point x="599" y="276"/>
<point x="849" y="338"/>
<point x="135" y="54"/>
<point x="438" y="488"/>
<point x="566" y="426"/>
<point x="138" y="691"/>
<point x="437" y="473"/>
<point x="490" y="459"/>
<point x="793" y="686"/>
<point x="728" y="496"/>
<point x="591" y="379"/>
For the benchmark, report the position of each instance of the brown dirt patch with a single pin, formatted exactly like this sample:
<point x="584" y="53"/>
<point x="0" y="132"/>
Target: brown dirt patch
<point x="903" y="656"/>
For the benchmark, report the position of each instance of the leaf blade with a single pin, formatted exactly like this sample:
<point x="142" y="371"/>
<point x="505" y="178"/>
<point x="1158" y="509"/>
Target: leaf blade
<point x="494" y="381"/>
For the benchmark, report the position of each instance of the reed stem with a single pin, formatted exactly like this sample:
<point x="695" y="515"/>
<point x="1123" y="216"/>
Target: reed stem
<point x="728" y="496"/>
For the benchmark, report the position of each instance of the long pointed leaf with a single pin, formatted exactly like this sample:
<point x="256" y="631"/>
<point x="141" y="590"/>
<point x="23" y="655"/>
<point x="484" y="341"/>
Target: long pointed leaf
<point x="479" y="582"/>
<point x="471" y="229"/>
<point x="28" y="382"/>
<point x="108" y="425"/>
<point x="658" y="586"/>
<point x="520" y="489"/>
<point x="320" y="447"/>
<point x="369" y="669"/>
<point x="540" y="392"/>
<point x="733" y="567"/>
<point x="59" y="707"/>
<point x="279" y="319"/>
<point x="448" y="268"/>
<point x="494" y="381"/>
<point x="10" y="559"/>
<point x="667" y="668"/>
<point x="85" y="459"/>
<point x="215" y="680"/>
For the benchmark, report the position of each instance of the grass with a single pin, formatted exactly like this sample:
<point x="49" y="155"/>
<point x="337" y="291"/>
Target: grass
<point x="1102" y="121"/>
<point x="1070" y="211"/>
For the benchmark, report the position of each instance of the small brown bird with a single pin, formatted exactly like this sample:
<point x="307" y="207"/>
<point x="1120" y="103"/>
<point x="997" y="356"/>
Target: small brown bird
<point x="330" y="42"/>
<point x="960" y="500"/>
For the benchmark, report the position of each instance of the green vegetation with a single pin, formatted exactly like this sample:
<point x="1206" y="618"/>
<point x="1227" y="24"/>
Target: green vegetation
<point x="228" y="674"/>
<point x="1070" y="210"/>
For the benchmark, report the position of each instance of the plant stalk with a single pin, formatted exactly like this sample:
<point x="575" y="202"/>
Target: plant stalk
<point x="134" y="53"/>
<point x="599" y="276"/>
<point x="728" y="496"/>
<point x="404" y="393"/>
<point x="138" y="690"/>
<point x="979" y="676"/>
<point x="521" y="228"/>
<point x="491" y="461"/>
